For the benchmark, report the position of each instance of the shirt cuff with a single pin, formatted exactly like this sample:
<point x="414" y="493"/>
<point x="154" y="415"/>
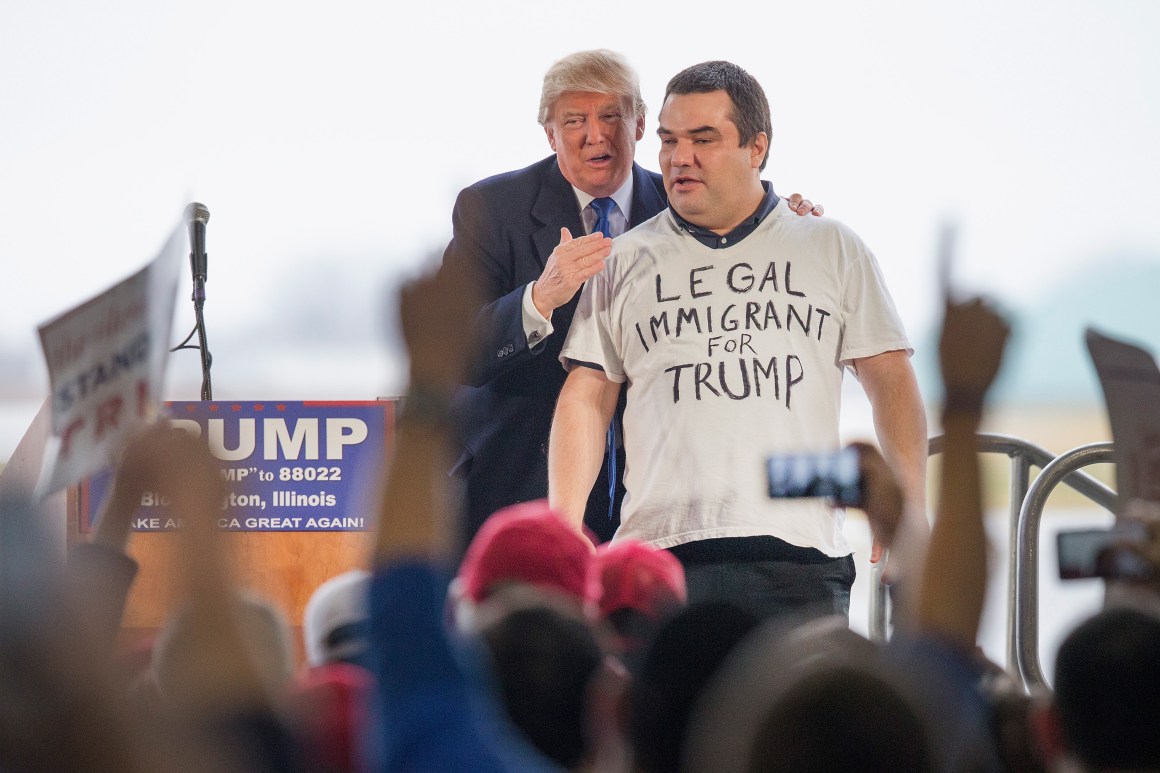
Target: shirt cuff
<point x="536" y="328"/>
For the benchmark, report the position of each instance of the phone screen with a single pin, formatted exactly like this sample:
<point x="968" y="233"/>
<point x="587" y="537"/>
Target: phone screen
<point x="836" y="476"/>
<point x="1085" y="553"/>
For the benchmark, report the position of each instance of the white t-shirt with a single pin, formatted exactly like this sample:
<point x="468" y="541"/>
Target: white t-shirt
<point x="730" y="355"/>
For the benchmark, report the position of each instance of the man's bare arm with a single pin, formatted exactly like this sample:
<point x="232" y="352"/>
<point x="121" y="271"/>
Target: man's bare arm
<point x="586" y="406"/>
<point x="900" y="423"/>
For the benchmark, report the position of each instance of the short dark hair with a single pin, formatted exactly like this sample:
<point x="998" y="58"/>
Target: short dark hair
<point x="543" y="662"/>
<point x="1106" y="677"/>
<point x="676" y="669"/>
<point x="750" y="107"/>
<point x="842" y="718"/>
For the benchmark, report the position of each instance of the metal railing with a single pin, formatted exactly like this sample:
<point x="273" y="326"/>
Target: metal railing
<point x="1026" y="503"/>
<point x="1023" y="639"/>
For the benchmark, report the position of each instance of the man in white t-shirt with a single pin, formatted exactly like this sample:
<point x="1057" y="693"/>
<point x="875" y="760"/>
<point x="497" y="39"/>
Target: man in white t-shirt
<point x="730" y="320"/>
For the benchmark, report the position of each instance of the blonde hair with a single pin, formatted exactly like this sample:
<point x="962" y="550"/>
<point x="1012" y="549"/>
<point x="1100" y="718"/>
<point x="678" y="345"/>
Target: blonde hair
<point x="600" y="71"/>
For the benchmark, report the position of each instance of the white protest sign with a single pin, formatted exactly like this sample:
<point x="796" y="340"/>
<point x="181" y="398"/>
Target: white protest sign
<point x="106" y="360"/>
<point x="1131" y="383"/>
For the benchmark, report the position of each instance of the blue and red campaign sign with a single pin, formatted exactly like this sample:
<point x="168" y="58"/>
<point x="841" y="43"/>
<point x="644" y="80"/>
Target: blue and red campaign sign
<point x="290" y="466"/>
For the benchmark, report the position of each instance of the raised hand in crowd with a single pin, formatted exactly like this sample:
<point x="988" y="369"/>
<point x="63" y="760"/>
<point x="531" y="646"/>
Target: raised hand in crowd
<point x="954" y="577"/>
<point x="437" y="713"/>
<point x="100" y="572"/>
<point x="971" y="349"/>
<point x="219" y="692"/>
<point x="437" y="321"/>
<point x="437" y="315"/>
<point x="135" y="472"/>
<point x="882" y="498"/>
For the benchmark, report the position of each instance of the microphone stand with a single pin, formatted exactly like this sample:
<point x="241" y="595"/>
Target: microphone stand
<point x="196" y="216"/>
<point x="199" y="326"/>
<point x="199" y="329"/>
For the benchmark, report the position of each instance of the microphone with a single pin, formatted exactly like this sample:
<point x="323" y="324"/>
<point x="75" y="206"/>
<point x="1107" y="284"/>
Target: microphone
<point x="196" y="216"/>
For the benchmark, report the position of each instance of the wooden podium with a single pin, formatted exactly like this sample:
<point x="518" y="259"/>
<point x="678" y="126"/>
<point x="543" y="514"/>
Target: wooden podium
<point x="284" y="567"/>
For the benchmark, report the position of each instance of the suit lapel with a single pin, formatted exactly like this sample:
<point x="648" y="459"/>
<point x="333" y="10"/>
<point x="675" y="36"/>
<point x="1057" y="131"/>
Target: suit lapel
<point x="555" y="207"/>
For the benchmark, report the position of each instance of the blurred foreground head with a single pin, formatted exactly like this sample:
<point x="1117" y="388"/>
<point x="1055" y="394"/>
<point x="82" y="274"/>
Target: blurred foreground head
<point x="677" y="666"/>
<point x="265" y="634"/>
<point x="815" y="697"/>
<point x="544" y="658"/>
<point x="58" y="707"/>
<point x="330" y="711"/>
<point x="334" y="624"/>
<point x="1107" y="690"/>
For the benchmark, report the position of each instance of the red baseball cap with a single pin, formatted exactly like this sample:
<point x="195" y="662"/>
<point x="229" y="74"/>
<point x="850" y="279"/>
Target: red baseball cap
<point x="331" y="707"/>
<point x="528" y="543"/>
<point x="631" y="574"/>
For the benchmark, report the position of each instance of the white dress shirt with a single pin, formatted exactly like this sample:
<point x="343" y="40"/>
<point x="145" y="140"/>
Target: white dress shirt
<point x="536" y="327"/>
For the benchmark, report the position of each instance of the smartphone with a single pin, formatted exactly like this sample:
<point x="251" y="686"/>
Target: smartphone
<point x="1085" y="553"/>
<point x="835" y="475"/>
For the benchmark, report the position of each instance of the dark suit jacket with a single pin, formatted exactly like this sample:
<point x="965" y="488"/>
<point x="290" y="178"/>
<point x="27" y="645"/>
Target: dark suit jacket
<point x="508" y="225"/>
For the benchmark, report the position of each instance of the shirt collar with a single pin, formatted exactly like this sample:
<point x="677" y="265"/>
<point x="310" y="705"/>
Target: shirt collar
<point x="622" y="196"/>
<point x="717" y="241"/>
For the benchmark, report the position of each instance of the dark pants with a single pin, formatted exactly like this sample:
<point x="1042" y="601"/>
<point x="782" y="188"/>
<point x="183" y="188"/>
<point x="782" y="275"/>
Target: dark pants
<point x="775" y="588"/>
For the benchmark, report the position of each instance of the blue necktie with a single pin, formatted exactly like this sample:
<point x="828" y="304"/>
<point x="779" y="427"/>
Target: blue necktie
<point x="603" y="208"/>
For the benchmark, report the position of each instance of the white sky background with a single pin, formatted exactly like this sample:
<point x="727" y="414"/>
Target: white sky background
<point x="329" y="140"/>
